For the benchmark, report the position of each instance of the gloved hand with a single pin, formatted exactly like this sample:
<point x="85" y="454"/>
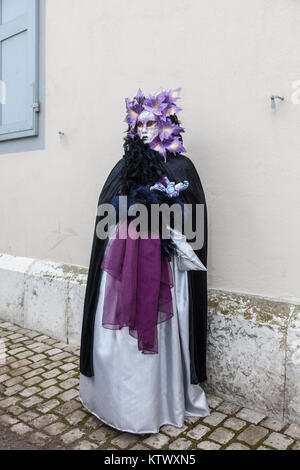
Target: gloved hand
<point x="170" y="188"/>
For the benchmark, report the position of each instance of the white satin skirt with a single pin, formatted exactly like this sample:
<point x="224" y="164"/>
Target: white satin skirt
<point x="138" y="393"/>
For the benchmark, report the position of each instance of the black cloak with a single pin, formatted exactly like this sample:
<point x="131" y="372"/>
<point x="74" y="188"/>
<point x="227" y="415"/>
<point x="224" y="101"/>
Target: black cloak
<point x="177" y="168"/>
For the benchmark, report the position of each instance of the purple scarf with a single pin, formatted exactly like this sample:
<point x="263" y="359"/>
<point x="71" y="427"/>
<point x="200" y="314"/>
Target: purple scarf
<point x="137" y="290"/>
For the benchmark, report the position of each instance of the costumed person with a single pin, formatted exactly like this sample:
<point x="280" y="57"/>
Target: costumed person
<point x="143" y="343"/>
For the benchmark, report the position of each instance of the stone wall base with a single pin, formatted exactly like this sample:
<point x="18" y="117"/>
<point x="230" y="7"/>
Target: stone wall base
<point x="253" y="350"/>
<point x="253" y="353"/>
<point x="43" y="295"/>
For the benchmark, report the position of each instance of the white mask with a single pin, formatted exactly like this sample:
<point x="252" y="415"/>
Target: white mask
<point x="147" y="127"/>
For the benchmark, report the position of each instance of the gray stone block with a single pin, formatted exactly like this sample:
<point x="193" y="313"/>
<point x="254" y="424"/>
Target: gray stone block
<point x="13" y="271"/>
<point x="253" y="355"/>
<point x="292" y="392"/>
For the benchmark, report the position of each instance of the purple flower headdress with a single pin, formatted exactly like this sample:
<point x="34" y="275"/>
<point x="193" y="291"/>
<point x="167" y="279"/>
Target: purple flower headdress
<point x="162" y="106"/>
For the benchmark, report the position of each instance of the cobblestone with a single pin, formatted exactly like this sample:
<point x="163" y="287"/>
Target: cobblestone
<point x="250" y="415"/>
<point x="70" y="383"/>
<point x="38" y="438"/>
<point x="93" y="423"/>
<point x="156" y="441"/>
<point x="68" y="367"/>
<point x="15" y="410"/>
<point x="172" y="431"/>
<point x="56" y="428"/>
<point x="4" y="377"/>
<point x="228" y="408"/>
<point x="28" y="416"/>
<point x="237" y="446"/>
<point x="213" y="401"/>
<point x="293" y="431"/>
<point x="296" y="446"/>
<point x="76" y="417"/>
<point x="198" y="432"/>
<point x="278" y="441"/>
<point x="208" y="445"/>
<point x="234" y="423"/>
<point x="85" y="445"/>
<point x="28" y="392"/>
<point x="21" y="428"/>
<point x="66" y="396"/>
<point x="13" y="390"/>
<point x="222" y="435"/>
<point x="50" y="392"/>
<point x="72" y="436"/>
<point x="252" y="434"/>
<point x="48" y="406"/>
<point x="215" y="418"/>
<point x="44" y="421"/>
<point x="66" y="375"/>
<point x="273" y="424"/>
<point x="123" y="441"/>
<point x="99" y="436"/>
<point x="39" y="404"/>
<point x="31" y="401"/>
<point x="7" y="419"/>
<point x="180" y="444"/>
<point x="33" y="373"/>
<point x="32" y="381"/>
<point x="68" y="407"/>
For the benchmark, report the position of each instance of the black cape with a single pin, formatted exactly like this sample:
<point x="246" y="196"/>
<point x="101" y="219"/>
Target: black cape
<point x="177" y="169"/>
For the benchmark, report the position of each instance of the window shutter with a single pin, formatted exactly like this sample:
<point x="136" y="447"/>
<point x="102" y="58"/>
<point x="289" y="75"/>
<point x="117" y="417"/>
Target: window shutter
<point x="19" y="68"/>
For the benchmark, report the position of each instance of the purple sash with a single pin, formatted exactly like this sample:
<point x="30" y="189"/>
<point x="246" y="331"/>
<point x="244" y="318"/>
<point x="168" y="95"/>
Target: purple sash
<point x="137" y="290"/>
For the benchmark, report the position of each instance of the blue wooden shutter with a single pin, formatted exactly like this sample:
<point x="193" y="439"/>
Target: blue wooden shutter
<point x="19" y="68"/>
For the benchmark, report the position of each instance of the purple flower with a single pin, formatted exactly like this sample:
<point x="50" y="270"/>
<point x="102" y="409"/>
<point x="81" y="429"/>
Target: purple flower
<point x="155" y="104"/>
<point x="139" y="96"/>
<point x="174" y="94"/>
<point x="175" y="146"/>
<point x="173" y="109"/>
<point x="134" y="107"/>
<point x="159" y="147"/>
<point x="132" y="112"/>
<point x="168" y="129"/>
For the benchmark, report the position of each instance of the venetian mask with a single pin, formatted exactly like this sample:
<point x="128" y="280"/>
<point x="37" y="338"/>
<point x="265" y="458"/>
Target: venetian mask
<point x="147" y="127"/>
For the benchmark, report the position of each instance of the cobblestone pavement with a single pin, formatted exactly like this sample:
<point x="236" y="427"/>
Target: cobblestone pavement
<point x="40" y="408"/>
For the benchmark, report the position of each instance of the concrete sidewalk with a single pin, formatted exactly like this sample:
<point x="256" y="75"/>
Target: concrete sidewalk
<point x="40" y="408"/>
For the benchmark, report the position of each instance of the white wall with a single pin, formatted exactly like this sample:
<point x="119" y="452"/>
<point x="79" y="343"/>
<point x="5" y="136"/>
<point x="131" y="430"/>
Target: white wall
<point x="228" y="57"/>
